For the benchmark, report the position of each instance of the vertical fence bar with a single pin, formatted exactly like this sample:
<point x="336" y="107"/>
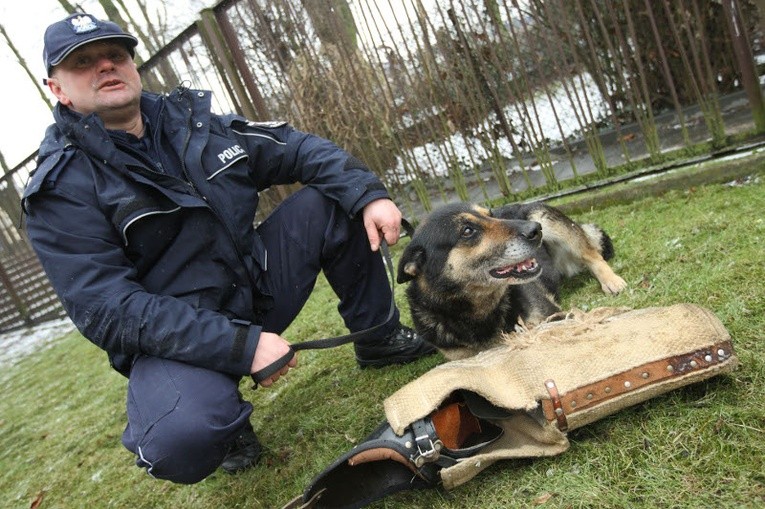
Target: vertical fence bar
<point x="580" y="101"/>
<point x="667" y="72"/>
<point x="743" y="51"/>
<point x="689" y="74"/>
<point x="528" y="104"/>
<point x="636" y="80"/>
<point x="598" y="78"/>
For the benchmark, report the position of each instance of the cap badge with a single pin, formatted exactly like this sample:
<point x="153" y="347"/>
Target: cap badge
<point x="83" y="24"/>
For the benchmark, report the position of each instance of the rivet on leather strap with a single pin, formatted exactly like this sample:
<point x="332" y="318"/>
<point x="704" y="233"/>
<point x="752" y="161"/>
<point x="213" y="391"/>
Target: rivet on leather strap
<point x="560" y="415"/>
<point x="582" y="398"/>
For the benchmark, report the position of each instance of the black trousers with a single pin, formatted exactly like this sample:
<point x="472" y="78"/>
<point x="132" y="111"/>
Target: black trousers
<point x="182" y="418"/>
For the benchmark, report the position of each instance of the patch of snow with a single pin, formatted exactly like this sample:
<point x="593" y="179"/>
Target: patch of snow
<point x="552" y="118"/>
<point x="17" y="344"/>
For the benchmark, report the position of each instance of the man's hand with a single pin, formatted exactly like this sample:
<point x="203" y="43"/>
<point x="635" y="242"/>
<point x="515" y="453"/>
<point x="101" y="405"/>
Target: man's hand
<point x="381" y="219"/>
<point x="271" y="348"/>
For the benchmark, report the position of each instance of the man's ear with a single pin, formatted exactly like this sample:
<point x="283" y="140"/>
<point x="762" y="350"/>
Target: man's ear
<point x="55" y="87"/>
<point x="411" y="263"/>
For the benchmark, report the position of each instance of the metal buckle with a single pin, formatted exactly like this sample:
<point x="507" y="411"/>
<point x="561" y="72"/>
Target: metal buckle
<point x="431" y="453"/>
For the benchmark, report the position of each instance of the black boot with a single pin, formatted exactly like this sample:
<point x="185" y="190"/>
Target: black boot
<point x="244" y="453"/>
<point x="399" y="347"/>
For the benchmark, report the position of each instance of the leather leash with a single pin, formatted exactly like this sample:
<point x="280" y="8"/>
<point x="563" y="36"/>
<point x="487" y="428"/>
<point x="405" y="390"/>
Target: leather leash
<point x="318" y="344"/>
<point x="331" y="342"/>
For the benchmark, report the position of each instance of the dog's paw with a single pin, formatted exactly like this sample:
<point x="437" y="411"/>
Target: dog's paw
<point x="613" y="285"/>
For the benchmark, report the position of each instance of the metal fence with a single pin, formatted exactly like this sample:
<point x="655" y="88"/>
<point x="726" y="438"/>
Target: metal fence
<point x="474" y="100"/>
<point x="481" y="98"/>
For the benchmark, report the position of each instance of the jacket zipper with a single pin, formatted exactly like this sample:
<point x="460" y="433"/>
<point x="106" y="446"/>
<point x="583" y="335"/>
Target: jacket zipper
<point x="214" y="211"/>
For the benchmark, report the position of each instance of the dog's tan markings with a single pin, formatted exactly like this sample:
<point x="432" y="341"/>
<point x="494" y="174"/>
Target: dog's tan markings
<point x="575" y="248"/>
<point x="461" y="262"/>
<point x="465" y="267"/>
<point x="484" y="298"/>
<point x="496" y="231"/>
<point x="455" y="354"/>
<point x="422" y="283"/>
<point x="411" y="269"/>
<point x="469" y="265"/>
<point x="610" y="282"/>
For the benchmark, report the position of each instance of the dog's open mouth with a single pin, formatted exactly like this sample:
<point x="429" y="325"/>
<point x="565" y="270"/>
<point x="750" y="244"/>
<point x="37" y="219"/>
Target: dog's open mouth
<point x="527" y="268"/>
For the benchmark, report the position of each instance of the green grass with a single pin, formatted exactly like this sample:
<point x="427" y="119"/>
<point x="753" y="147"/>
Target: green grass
<point x="62" y="409"/>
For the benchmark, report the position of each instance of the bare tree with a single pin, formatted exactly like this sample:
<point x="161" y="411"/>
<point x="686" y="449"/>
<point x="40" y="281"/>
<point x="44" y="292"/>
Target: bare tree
<point x="333" y="22"/>
<point x="37" y="82"/>
<point x="152" y="31"/>
<point x="70" y="8"/>
<point x="112" y="12"/>
<point x="156" y="32"/>
<point x="336" y="98"/>
<point x="648" y="40"/>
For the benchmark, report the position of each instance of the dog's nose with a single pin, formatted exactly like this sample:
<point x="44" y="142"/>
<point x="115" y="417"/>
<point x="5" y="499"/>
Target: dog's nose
<point x="531" y="231"/>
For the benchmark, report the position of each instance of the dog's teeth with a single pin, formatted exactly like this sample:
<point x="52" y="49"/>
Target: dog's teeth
<point x="526" y="265"/>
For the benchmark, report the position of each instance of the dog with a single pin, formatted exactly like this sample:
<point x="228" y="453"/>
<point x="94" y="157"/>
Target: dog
<point x="475" y="274"/>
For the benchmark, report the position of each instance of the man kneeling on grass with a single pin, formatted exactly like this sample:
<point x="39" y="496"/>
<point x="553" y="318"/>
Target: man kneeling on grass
<point x="141" y="211"/>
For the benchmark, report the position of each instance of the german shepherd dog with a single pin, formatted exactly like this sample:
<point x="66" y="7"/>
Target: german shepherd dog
<point x="476" y="274"/>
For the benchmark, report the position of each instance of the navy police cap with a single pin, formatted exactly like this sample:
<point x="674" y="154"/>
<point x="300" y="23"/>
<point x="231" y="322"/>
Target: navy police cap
<point x="65" y="36"/>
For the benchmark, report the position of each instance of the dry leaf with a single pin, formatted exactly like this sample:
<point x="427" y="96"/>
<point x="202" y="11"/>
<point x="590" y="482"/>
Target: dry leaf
<point x="37" y="502"/>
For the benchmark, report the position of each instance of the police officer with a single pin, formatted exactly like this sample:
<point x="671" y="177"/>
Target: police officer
<point x="141" y="211"/>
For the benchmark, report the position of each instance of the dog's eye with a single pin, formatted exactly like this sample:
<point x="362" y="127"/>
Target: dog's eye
<point x="468" y="231"/>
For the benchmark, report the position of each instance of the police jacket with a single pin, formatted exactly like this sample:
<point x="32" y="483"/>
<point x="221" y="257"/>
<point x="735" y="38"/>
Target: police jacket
<point x="169" y="266"/>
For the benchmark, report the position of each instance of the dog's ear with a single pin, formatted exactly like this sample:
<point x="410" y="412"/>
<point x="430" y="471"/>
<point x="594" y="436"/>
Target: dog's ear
<point x="411" y="263"/>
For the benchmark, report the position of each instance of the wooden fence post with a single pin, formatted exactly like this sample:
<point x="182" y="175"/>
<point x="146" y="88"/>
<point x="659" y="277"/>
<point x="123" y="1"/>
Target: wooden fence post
<point x="240" y="64"/>
<point x="21" y="307"/>
<point x="224" y="61"/>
